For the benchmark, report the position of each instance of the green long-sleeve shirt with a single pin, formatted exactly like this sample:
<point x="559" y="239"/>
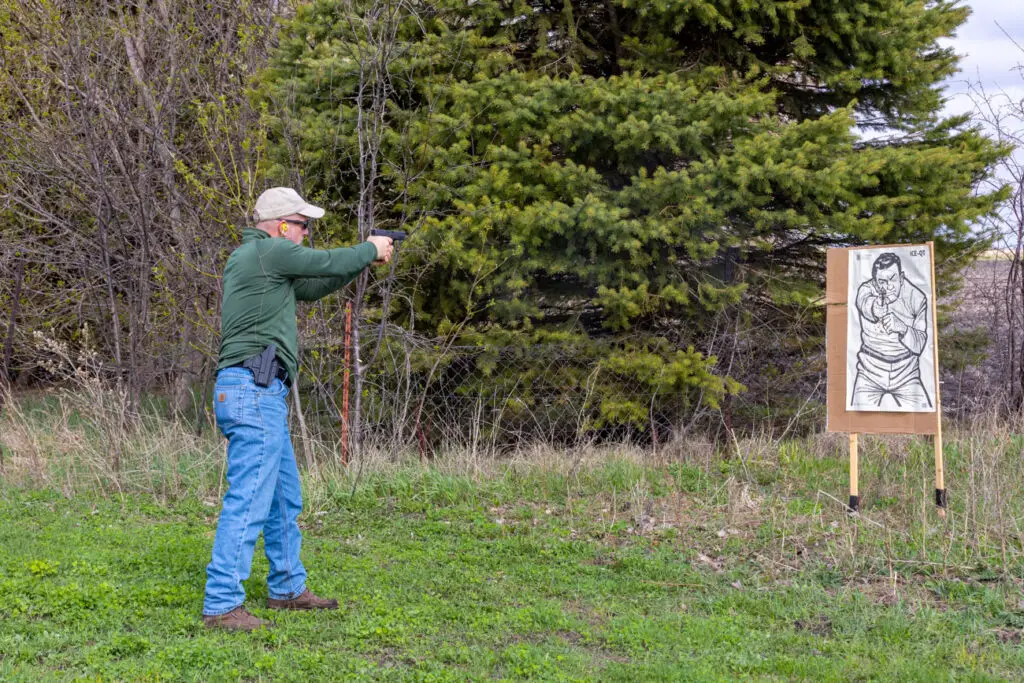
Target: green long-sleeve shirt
<point x="262" y="280"/>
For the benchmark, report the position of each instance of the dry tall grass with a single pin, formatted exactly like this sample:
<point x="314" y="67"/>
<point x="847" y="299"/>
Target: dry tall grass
<point x="85" y="439"/>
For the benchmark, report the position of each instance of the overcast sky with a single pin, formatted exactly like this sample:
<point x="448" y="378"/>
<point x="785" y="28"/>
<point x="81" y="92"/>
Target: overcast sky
<point x="992" y="58"/>
<point x="988" y="55"/>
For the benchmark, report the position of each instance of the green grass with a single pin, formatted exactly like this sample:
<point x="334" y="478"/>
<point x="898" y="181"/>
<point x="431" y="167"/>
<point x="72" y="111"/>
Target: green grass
<point x="620" y="571"/>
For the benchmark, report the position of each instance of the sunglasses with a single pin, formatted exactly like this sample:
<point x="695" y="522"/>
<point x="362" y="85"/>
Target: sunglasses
<point x="304" y="224"/>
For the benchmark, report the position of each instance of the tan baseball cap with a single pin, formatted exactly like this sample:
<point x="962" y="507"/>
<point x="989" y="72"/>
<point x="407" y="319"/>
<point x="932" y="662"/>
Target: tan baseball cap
<point x="278" y="202"/>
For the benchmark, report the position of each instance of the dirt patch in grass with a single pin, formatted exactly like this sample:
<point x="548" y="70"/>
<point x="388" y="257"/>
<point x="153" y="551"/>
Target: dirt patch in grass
<point x="586" y="613"/>
<point x="910" y="591"/>
<point x="819" y="625"/>
<point x="1011" y="636"/>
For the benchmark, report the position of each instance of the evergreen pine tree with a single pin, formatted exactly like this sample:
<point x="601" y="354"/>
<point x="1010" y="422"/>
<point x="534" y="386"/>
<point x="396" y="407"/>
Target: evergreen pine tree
<point x="615" y="173"/>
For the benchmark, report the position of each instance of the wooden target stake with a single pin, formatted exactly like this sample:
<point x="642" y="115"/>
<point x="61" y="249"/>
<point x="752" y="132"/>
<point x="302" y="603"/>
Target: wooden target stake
<point x="940" y="479"/>
<point x="854" y="491"/>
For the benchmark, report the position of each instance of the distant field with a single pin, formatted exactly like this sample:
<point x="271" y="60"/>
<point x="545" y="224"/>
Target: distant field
<point x="997" y="255"/>
<point x="678" y="569"/>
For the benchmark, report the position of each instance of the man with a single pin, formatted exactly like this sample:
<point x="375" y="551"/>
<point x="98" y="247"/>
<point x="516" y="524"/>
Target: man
<point x="894" y="332"/>
<point x="263" y="278"/>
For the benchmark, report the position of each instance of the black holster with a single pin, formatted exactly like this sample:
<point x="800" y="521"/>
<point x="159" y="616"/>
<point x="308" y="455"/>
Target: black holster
<point x="264" y="366"/>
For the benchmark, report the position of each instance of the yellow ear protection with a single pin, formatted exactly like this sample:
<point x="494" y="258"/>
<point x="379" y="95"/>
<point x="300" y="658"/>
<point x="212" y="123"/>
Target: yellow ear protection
<point x="283" y="227"/>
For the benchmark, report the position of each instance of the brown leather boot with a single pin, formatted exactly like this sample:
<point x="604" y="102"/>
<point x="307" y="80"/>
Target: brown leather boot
<point x="305" y="601"/>
<point x="237" y="619"/>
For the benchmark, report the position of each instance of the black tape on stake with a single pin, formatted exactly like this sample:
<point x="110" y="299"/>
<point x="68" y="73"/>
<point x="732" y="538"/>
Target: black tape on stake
<point x="854" y="503"/>
<point x="940" y="498"/>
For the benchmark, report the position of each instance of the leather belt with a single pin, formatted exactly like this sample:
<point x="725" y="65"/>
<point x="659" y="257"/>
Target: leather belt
<point x="281" y="374"/>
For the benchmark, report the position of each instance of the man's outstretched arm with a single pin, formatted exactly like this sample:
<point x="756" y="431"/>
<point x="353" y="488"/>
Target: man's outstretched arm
<point x="313" y="288"/>
<point x="316" y="273"/>
<point x="915" y="337"/>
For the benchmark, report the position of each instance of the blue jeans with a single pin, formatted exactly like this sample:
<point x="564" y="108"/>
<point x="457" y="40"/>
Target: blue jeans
<point x="263" y="493"/>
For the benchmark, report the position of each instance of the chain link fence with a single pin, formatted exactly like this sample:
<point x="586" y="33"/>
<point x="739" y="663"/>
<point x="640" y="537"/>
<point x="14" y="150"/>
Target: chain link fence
<point x="421" y="396"/>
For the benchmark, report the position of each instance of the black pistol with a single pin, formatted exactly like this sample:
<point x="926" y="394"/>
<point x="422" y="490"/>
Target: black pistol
<point x="395" y="235"/>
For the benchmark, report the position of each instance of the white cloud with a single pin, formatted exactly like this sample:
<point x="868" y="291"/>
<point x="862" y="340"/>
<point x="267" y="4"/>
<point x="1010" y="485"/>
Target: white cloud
<point x="990" y="45"/>
<point x="987" y="46"/>
<point x="988" y="59"/>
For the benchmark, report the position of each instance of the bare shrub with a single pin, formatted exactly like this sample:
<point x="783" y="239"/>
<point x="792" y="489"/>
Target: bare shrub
<point x="87" y="434"/>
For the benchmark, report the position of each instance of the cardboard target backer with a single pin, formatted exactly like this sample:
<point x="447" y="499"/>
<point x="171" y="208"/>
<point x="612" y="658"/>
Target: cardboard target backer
<point x="881" y="342"/>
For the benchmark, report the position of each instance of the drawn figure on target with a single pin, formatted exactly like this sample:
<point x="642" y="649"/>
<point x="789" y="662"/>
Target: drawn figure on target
<point x="893" y="315"/>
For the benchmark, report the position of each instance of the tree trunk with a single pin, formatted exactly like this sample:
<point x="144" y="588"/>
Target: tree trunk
<point x="115" y="323"/>
<point x="12" y="321"/>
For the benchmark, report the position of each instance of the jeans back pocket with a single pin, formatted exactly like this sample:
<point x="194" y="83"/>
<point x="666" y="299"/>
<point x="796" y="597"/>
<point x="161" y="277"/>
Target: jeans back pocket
<point x="229" y="396"/>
